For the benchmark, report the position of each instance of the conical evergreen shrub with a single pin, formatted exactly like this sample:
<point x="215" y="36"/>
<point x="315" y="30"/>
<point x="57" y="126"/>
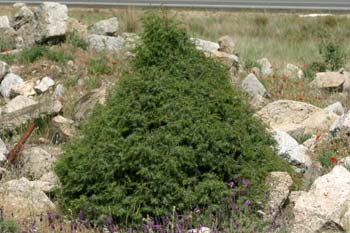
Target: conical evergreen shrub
<point x="173" y="133"/>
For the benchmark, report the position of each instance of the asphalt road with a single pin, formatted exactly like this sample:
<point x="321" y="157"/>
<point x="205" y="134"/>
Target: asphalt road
<point x="342" y="5"/>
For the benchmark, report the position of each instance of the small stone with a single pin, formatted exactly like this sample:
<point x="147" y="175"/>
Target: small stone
<point x="44" y="85"/>
<point x="266" y="67"/>
<point x="8" y="82"/>
<point x="4" y="22"/>
<point x="59" y="91"/>
<point x="226" y="44"/>
<point x="253" y="86"/>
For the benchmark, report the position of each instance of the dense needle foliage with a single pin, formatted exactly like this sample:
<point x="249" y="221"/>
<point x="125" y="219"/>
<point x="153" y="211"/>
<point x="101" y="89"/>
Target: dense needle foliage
<point x="174" y="132"/>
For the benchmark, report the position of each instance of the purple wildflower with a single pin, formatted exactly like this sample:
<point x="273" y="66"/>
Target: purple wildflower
<point x="197" y="210"/>
<point x="231" y="184"/>
<point x="80" y="215"/>
<point x="245" y="183"/>
<point x="247" y="203"/>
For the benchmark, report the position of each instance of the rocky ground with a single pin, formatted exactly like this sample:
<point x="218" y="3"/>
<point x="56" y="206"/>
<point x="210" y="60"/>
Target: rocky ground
<point x="55" y="95"/>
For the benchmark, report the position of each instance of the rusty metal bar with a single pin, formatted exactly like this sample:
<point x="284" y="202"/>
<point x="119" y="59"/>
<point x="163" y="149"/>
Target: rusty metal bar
<point x="18" y="147"/>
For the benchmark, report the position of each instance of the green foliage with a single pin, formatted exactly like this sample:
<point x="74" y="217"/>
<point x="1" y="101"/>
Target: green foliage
<point x="59" y="55"/>
<point x="8" y="58"/>
<point x="332" y="54"/>
<point x="249" y="64"/>
<point x="29" y="55"/>
<point x="325" y="158"/>
<point x="76" y="41"/>
<point x="4" y="44"/>
<point x="99" y="66"/>
<point x="311" y="70"/>
<point x="301" y="138"/>
<point x="8" y="227"/>
<point x="174" y="132"/>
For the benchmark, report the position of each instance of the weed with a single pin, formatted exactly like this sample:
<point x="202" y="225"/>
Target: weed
<point x="8" y="58"/>
<point x="29" y="55"/>
<point x="98" y="66"/>
<point x="76" y="41"/>
<point x="59" y="55"/>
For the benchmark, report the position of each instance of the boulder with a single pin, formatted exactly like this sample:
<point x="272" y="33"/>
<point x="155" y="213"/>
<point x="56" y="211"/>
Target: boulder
<point x="226" y="58"/>
<point x="290" y="149"/>
<point x="336" y="108"/>
<point x="4" y="22"/>
<point x="258" y="102"/>
<point x="106" y="43"/>
<point x="326" y="205"/>
<point x="341" y="125"/>
<point x="84" y="106"/>
<point x="18" y="103"/>
<point x="36" y="162"/>
<point x="3" y="151"/>
<point x="21" y="200"/>
<point x="329" y="81"/>
<point x="22" y="17"/>
<point x="226" y="44"/>
<point x="107" y="27"/>
<point x="4" y="68"/>
<point x="44" y="84"/>
<point x="204" y="45"/>
<point x="8" y="82"/>
<point x="25" y="88"/>
<point x="13" y="120"/>
<point x="293" y="71"/>
<point x="47" y="182"/>
<point x="8" y="37"/>
<point x="319" y="122"/>
<point x="278" y="184"/>
<point x="286" y="115"/>
<point x="26" y="36"/>
<point x="52" y="20"/>
<point x="266" y="67"/>
<point x="253" y="86"/>
<point x="62" y="129"/>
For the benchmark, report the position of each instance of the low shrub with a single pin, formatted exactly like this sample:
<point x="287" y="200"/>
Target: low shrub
<point x="174" y="134"/>
<point x="333" y="54"/>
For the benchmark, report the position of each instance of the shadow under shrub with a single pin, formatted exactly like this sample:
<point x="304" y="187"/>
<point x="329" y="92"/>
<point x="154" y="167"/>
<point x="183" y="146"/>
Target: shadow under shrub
<point x="174" y="132"/>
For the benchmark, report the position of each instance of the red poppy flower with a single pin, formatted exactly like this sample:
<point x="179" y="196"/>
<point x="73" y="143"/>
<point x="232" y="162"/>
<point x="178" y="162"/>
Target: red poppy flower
<point x="318" y="136"/>
<point x="114" y="62"/>
<point x="333" y="159"/>
<point x="302" y="98"/>
<point x="5" y="50"/>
